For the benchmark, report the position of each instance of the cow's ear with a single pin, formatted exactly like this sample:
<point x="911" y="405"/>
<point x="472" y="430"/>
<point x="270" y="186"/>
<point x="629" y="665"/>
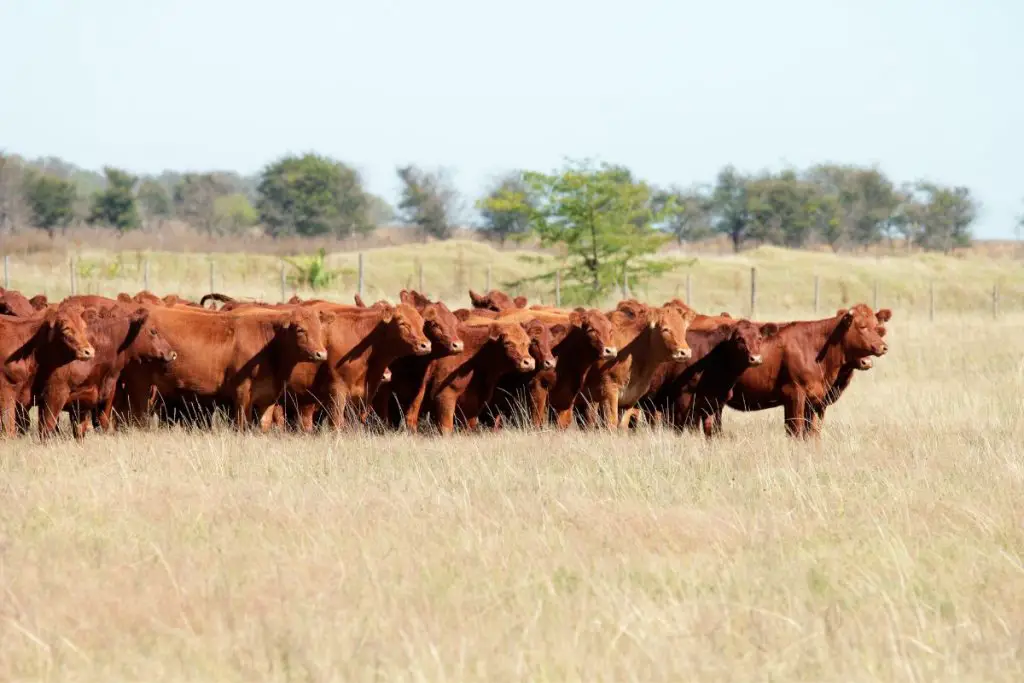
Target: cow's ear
<point x="139" y="315"/>
<point x="359" y="301"/>
<point x="558" y="331"/>
<point x="884" y="315"/>
<point x="844" y="313"/>
<point x="520" y="301"/>
<point x="769" y="330"/>
<point x="576" y="318"/>
<point x="405" y="297"/>
<point x="880" y="330"/>
<point x="124" y="298"/>
<point x="476" y="298"/>
<point x="326" y="317"/>
<point x="429" y="314"/>
<point x="725" y="314"/>
<point x="387" y="313"/>
<point x="494" y="332"/>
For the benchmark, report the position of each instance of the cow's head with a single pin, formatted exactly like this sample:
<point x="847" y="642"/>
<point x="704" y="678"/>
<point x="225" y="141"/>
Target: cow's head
<point x="304" y="330"/>
<point x="145" y="340"/>
<point x="404" y="326"/>
<point x="541" y="342"/>
<point x="39" y="302"/>
<point x="862" y="330"/>
<point x="599" y="330"/>
<point x="746" y="339"/>
<point x="13" y="302"/>
<point x="495" y="300"/>
<point x="515" y="344"/>
<point x="67" y="326"/>
<point x="439" y="323"/>
<point x="670" y="324"/>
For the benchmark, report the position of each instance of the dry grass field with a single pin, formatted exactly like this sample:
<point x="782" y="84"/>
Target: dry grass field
<point x="893" y="549"/>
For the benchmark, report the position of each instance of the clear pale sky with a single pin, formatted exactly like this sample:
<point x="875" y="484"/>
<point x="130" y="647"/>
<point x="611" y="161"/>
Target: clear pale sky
<point x="673" y="89"/>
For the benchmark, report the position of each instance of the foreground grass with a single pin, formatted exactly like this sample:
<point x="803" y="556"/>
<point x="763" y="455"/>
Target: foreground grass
<point x="891" y="550"/>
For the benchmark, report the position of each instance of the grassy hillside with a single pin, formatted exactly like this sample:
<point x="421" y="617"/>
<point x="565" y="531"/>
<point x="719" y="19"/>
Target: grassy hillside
<point x="719" y="282"/>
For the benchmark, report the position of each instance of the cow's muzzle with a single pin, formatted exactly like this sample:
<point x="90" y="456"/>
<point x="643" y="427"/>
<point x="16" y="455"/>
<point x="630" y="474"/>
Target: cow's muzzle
<point x="881" y="349"/>
<point x="86" y="353"/>
<point x="865" y="363"/>
<point x="527" y="364"/>
<point x="457" y="346"/>
<point x="319" y="356"/>
<point x="423" y="348"/>
<point x="681" y="354"/>
<point x="549" y="363"/>
<point x="386" y="377"/>
<point x="170" y="356"/>
<point x="609" y="352"/>
<point x="754" y="359"/>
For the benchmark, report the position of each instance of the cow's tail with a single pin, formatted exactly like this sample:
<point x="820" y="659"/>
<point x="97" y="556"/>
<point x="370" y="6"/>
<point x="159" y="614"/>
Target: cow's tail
<point x="214" y="296"/>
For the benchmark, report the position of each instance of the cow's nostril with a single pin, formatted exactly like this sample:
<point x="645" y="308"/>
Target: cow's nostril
<point x="549" y="363"/>
<point x="457" y="346"/>
<point x="610" y="352"/>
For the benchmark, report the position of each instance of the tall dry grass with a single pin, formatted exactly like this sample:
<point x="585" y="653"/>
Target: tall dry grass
<point x="893" y="549"/>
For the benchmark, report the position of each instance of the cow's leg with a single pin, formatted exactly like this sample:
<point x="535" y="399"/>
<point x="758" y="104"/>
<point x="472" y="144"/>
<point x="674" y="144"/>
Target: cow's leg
<point x="337" y="404"/>
<point x="794" y="406"/>
<point x="81" y="420"/>
<point x="22" y="417"/>
<point x="815" y="417"/>
<point x="412" y="417"/>
<point x="243" y="405"/>
<point x="563" y="418"/>
<point x="444" y="409"/>
<point x="9" y="412"/>
<point x="51" y="406"/>
<point x="610" y="406"/>
<point x="539" y="405"/>
<point x="266" y="414"/>
<point x="307" y="411"/>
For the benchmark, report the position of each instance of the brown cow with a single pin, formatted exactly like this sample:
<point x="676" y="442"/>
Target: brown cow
<point x="589" y="338"/>
<point x="241" y="359"/>
<point x="52" y="337"/>
<point x="692" y="394"/>
<point x="118" y="335"/>
<point x="39" y="302"/>
<point x="528" y="391"/>
<point x="807" y="364"/>
<point x="362" y="343"/>
<point x="13" y="302"/>
<point x="496" y="300"/>
<point x="465" y="381"/>
<point x="646" y="337"/>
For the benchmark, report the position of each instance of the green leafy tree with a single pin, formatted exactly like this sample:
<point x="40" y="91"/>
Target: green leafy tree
<point x="943" y="216"/>
<point x="234" y="213"/>
<point x="12" y="200"/>
<point x="782" y="209"/>
<point x="153" y="199"/>
<point x="687" y="213"/>
<point x="115" y="206"/>
<point x="313" y="195"/>
<point x="506" y="208"/>
<point x="604" y="220"/>
<point x="51" y="200"/>
<point x="429" y="201"/>
<point x="730" y="206"/>
<point x="867" y="201"/>
<point x="195" y="196"/>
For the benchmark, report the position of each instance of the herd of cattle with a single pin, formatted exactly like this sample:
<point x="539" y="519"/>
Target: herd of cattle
<point x="118" y="363"/>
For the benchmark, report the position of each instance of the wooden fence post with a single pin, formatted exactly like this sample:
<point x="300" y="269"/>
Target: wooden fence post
<point x="360" y="275"/>
<point x="145" y="275"/>
<point x="423" y="283"/>
<point x="212" y="275"/>
<point x="995" y="300"/>
<point x="487" y="288"/>
<point x="558" y="288"/>
<point x="71" y="272"/>
<point x="689" y="290"/>
<point x="753" y="290"/>
<point x="817" y="293"/>
<point x="7" y="271"/>
<point x="874" y="297"/>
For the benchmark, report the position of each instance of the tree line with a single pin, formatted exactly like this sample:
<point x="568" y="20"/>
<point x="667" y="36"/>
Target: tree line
<point x="841" y="206"/>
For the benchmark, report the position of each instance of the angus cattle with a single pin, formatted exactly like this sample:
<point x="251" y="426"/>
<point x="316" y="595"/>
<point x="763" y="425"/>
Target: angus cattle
<point x="808" y="364"/>
<point x="52" y="337"/>
<point x="462" y="383"/>
<point x="239" y="359"/>
<point x="118" y="335"/>
<point x="13" y="302"/>
<point x="496" y="300"/>
<point x="692" y="394"/>
<point x="362" y="343"/>
<point x="645" y="337"/>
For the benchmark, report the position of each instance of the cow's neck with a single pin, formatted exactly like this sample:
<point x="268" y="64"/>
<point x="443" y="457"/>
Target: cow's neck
<point x="25" y="337"/>
<point x="828" y="339"/>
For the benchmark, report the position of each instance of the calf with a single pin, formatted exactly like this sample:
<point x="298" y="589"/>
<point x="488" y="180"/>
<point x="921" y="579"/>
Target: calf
<point x="81" y="386"/>
<point x="808" y="364"/>
<point x="52" y="337"/>
<point x="646" y="337"/>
